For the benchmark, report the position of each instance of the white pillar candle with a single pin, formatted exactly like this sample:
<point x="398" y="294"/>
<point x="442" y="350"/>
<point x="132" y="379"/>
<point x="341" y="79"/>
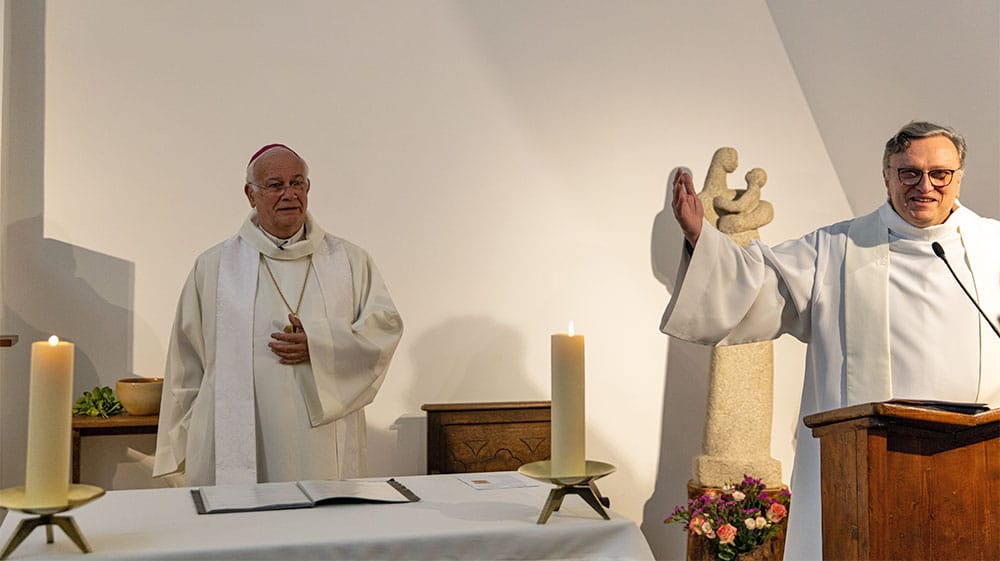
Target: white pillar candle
<point x="50" y="403"/>
<point x="568" y="426"/>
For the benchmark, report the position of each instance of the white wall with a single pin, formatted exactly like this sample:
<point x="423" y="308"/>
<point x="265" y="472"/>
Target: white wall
<point x="868" y="67"/>
<point x="504" y="162"/>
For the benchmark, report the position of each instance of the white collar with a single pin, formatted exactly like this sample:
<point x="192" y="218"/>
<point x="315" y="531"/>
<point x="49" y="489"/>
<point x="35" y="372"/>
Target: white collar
<point x="282" y="242"/>
<point x="905" y="230"/>
<point x="303" y="243"/>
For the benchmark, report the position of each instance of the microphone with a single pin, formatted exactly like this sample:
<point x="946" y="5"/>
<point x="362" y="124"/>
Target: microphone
<point x="939" y="251"/>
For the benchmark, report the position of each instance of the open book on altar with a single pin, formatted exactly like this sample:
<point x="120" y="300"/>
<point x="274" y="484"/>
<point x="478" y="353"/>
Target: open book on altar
<point x="297" y="494"/>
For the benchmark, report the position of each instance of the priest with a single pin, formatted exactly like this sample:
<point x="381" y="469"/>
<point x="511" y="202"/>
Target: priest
<point x="881" y="314"/>
<point x="283" y="334"/>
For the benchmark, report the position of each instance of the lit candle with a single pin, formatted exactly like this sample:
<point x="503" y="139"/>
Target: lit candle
<point x="50" y="403"/>
<point x="568" y="427"/>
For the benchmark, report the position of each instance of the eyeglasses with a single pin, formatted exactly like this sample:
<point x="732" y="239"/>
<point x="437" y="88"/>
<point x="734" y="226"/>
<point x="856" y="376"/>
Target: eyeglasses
<point x="911" y="177"/>
<point x="296" y="185"/>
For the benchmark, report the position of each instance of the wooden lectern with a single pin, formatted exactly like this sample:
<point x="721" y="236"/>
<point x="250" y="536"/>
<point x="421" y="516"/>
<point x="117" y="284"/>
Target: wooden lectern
<point x="908" y="482"/>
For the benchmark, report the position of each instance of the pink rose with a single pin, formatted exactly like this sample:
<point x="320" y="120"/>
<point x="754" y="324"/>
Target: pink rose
<point x="695" y="524"/>
<point x="727" y="533"/>
<point x="776" y="512"/>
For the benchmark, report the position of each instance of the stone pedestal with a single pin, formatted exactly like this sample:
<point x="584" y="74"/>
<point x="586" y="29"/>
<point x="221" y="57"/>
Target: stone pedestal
<point x="738" y="428"/>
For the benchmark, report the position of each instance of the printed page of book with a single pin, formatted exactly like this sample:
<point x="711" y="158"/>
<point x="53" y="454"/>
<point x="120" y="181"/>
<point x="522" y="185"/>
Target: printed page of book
<point x="330" y="491"/>
<point x="261" y="496"/>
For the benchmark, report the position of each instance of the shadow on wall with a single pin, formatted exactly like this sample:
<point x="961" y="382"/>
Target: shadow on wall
<point x="472" y="358"/>
<point x="685" y="402"/>
<point x="463" y="359"/>
<point x="400" y="450"/>
<point x="49" y="287"/>
<point x="79" y="295"/>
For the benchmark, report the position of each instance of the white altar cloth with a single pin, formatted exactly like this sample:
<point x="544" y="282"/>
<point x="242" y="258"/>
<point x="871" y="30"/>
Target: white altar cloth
<point x="451" y="521"/>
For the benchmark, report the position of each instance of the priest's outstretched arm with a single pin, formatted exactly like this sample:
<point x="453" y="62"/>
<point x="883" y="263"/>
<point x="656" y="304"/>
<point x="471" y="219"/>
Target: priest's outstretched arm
<point x="725" y="294"/>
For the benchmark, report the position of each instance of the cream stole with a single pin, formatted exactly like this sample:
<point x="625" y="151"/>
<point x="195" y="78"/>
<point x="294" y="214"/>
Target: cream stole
<point x="235" y="411"/>
<point x="866" y="308"/>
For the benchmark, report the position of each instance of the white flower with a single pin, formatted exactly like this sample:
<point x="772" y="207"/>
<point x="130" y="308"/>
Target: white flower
<point x="750" y="523"/>
<point x="738" y="495"/>
<point x="761" y="522"/>
<point x="706" y="527"/>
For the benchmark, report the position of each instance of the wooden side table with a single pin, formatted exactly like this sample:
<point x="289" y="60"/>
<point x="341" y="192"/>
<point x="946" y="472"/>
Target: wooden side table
<point x="490" y="436"/>
<point x="116" y="425"/>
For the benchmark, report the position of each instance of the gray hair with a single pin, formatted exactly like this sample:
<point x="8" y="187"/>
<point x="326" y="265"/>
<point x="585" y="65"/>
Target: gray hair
<point x="922" y="129"/>
<point x="252" y="166"/>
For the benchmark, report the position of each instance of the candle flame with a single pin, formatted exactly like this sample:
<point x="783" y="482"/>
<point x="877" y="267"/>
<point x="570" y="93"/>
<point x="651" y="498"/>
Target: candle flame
<point x="570" y="331"/>
<point x="53" y="340"/>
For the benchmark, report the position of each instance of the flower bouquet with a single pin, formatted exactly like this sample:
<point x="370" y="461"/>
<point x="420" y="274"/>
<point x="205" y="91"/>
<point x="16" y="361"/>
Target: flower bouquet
<point x="735" y="520"/>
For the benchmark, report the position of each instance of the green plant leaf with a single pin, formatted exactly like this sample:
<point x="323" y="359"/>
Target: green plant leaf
<point x="101" y="401"/>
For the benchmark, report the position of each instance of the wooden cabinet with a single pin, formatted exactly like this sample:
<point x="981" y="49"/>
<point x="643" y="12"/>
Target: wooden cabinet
<point x="477" y="437"/>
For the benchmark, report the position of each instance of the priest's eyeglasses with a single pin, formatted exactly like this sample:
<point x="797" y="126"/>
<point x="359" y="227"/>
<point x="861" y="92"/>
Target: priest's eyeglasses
<point x="911" y="177"/>
<point x="271" y="187"/>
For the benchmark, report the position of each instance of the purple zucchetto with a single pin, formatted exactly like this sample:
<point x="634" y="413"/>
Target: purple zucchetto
<point x="267" y="147"/>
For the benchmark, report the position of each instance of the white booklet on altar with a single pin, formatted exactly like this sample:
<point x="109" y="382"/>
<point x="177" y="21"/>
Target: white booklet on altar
<point x="298" y="494"/>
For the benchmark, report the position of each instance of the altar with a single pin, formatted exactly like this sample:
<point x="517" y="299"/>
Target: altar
<point x="453" y="520"/>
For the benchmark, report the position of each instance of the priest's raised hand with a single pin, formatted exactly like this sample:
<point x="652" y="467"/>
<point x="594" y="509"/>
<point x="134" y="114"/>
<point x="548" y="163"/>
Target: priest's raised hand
<point x="688" y="209"/>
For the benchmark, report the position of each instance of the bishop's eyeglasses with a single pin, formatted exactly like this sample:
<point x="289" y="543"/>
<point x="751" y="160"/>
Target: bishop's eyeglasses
<point x="911" y="177"/>
<point x="296" y="185"/>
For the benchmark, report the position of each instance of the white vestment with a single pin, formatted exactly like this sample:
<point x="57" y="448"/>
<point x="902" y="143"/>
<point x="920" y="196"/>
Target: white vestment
<point x="306" y="420"/>
<point x="833" y="289"/>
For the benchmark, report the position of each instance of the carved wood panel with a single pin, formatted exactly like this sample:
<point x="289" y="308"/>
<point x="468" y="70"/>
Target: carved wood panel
<point x="478" y="437"/>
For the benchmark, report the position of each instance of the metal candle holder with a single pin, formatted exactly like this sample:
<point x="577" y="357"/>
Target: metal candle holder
<point x="14" y="498"/>
<point x="582" y="485"/>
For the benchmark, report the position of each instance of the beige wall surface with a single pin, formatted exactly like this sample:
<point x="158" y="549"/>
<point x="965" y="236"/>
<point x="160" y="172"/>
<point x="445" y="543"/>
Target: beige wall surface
<point x="3" y="6"/>
<point x="504" y="163"/>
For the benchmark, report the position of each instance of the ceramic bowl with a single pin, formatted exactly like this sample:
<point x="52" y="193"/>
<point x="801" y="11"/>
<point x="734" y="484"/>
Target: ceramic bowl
<point x="140" y="396"/>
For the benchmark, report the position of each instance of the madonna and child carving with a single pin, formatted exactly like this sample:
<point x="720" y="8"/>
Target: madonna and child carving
<point x="737" y="212"/>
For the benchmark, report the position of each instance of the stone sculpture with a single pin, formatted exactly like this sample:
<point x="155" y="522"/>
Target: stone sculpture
<point x="740" y="402"/>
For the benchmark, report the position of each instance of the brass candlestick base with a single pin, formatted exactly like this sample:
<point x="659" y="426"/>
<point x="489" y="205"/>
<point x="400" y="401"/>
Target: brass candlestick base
<point x="13" y="498"/>
<point x="582" y="485"/>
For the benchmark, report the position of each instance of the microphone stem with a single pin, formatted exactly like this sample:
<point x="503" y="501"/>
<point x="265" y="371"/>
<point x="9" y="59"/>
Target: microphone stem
<point x="966" y="291"/>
